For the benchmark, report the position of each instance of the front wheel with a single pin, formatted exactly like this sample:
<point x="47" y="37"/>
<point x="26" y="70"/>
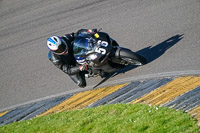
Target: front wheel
<point x="129" y="57"/>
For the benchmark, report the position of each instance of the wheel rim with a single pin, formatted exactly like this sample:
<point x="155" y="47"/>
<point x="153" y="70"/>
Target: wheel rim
<point x="133" y="62"/>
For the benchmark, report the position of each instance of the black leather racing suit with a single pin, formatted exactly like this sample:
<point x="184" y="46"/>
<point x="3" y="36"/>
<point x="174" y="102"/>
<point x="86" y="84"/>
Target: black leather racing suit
<point x="67" y="63"/>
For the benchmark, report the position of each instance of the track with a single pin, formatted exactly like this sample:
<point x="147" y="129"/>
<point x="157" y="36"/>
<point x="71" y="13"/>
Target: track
<point x="180" y="93"/>
<point x="165" y="32"/>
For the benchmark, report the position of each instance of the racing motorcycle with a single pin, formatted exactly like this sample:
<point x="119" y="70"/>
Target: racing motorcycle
<point x="102" y="54"/>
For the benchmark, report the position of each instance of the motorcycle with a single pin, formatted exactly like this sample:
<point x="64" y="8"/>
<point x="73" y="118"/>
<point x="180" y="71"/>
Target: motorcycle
<point x="102" y="54"/>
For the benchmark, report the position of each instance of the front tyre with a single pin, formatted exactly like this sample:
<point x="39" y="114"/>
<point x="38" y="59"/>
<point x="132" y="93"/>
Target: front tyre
<point x="129" y="57"/>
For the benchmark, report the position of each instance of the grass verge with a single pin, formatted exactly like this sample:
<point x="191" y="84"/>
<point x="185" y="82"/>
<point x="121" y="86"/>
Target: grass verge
<point x="116" y="118"/>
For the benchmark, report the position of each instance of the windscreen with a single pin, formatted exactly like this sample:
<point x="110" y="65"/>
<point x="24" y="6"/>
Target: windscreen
<point x="82" y="46"/>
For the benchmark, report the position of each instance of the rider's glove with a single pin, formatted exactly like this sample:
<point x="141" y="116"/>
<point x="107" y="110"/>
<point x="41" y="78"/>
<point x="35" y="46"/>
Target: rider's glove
<point x="84" y="67"/>
<point x="92" y="31"/>
<point x="86" y="31"/>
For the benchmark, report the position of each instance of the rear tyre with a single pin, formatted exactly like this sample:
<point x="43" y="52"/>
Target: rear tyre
<point x="131" y="58"/>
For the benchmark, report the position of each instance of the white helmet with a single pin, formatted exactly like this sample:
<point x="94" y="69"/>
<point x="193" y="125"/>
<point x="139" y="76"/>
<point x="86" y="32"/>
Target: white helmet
<point x="57" y="45"/>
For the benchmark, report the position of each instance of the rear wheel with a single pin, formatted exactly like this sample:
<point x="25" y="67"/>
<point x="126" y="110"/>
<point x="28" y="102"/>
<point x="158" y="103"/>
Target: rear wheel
<point x="129" y="57"/>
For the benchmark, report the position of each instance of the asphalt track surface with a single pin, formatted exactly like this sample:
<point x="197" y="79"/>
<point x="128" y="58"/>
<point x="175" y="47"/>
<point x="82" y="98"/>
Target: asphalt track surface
<point x="180" y="93"/>
<point x="165" y="32"/>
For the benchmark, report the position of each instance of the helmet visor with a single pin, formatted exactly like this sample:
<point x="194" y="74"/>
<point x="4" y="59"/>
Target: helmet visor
<point x="62" y="48"/>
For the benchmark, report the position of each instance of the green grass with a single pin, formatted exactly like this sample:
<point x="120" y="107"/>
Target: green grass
<point x="117" y="118"/>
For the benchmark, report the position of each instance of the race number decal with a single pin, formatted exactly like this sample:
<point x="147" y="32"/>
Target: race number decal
<point x="100" y="50"/>
<point x="103" y="43"/>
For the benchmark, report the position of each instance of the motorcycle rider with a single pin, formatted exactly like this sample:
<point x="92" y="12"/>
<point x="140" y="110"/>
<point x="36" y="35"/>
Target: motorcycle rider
<point x="61" y="55"/>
